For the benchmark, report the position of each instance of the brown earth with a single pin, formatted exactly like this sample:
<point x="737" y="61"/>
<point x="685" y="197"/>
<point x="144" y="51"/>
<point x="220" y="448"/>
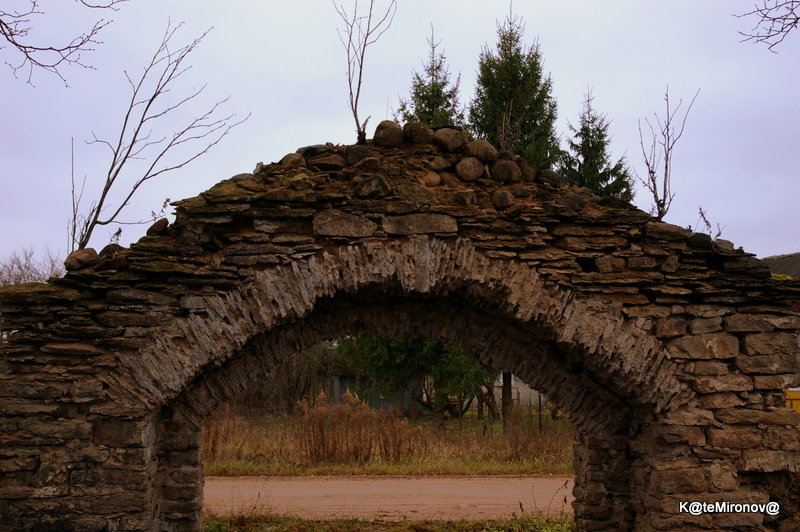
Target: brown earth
<point x="432" y="498"/>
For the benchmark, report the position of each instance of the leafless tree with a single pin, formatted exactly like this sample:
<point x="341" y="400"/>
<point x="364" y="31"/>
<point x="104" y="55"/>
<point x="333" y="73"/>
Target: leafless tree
<point x="657" y="152"/>
<point x="23" y="267"/>
<point x="16" y="25"/>
<point x="360" y="31"/>
<point x="775" y="20"/>
<point x="159" y="153"/>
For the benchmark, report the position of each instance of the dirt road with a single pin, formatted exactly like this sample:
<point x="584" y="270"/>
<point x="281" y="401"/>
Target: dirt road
<point x="439" y="498"/>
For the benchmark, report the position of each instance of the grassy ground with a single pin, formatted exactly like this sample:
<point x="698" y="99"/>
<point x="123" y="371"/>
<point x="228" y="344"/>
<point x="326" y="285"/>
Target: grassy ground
<point x="294" y="524"/>
<point x="350" y="439"/>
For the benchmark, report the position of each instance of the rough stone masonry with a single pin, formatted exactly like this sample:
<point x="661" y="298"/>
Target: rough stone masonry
<point x="669" y="352"/>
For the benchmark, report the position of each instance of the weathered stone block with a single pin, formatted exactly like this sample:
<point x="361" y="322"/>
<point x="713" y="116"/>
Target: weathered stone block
<point x="73" y="349"/>
<point x="709" y="367"/>
<point x="416" y="193"/>
<point x="119" y="433"/>
<point x="671" y="327"/>
<point x="372" y="187"/>
<point x="783" y="438"/>
<point x="184" y="458"/>
<point x="357" y="153"/>
<point x="665" y="231"/>
<point x="130" y="296"/>
<point x="747" y="323"/>
<point x="609" y="263"/>
<point x="293" y="160"/>
<point x="707" y="311"/>
<point x="705" y="346"/>
<point x="769" y="460"/>
<point x="331" y="161"/>
<point x="745" y="416"/>
<point x="690" y="416"/>
<point x="641" y="263"/>
<point x="690" y="435"/>
<point x="769" y="364"/>
<point x="775" y="382"/>
<point x="716" y="401"/>
<point x="771" y="343"/>
<point x="26" y="407"/>
<point x="410" y="224"/>
<point x="705" y="325"/>
<point x="689" y="480"/>
<point x="734" y="437"/>
<point x="722" y="383"/>
<point x="722" y="476"/>
<point x="334" y="222"/>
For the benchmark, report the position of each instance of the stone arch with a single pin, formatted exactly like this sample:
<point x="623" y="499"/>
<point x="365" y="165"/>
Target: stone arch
<point x="499" y="311"/>
<point x="669" y="351"/>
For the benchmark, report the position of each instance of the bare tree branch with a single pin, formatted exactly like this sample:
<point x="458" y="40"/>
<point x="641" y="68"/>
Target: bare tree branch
<point x="16" y="25"/>
<point x="657" y="153"/>
<point x="146" y="109"/>
<point x="775" y="20"/>
<point x="360" y="32"/>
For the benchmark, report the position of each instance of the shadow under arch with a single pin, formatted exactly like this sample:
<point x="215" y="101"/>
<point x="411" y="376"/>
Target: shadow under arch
<point x="609" y="376"/>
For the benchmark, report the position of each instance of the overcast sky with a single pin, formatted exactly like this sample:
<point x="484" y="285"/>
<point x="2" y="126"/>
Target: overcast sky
<point x="284" y="64"/>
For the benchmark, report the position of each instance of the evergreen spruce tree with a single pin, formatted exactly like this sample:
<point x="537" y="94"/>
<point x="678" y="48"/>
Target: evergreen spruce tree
<point x="434" y="101"/>
<point x="587" y="163"/>
<point x="513" y="105"/>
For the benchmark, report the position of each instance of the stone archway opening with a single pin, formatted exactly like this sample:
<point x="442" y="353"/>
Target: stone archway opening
<point x="605" y="424"/>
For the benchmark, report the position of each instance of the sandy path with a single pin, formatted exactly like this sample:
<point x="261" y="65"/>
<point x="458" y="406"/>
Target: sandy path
<point x="442" y="498"/>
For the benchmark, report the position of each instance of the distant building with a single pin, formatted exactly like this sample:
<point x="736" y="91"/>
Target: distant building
<point x="784" y="264"/>
<point x="521" y="393"/>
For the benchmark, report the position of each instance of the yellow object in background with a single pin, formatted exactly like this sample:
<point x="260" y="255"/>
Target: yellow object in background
<point x="793" y="398"/>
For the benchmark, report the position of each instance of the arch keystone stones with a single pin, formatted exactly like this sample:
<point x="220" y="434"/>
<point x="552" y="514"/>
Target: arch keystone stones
<point x="667" y="352"/>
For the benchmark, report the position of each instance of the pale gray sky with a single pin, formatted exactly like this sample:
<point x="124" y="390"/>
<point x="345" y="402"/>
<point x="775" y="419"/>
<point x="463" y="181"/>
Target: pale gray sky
<point x="284" y="64"/>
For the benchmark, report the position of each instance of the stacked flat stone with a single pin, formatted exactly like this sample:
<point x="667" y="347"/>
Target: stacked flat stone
<point x="667" y="351"/>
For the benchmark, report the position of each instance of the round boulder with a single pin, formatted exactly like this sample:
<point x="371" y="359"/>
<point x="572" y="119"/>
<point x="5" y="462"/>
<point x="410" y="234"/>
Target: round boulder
<point x="449" y="180"/>
<point x="482" y="149"/>
<point x="440" y="163"/>
<point x="502" y="199"/>
<point x="430" y="178"/>
<point x="550" y="177"/>
<point x="158" y="228"/>
<point x="388" y="134"/>
<point x="506" y="171"/>
<point x="418" y="133"/>
<point x="449" y="140"/>
<point x="81" y="258"/>
<point x="469" y="169"/>
<point x="528" y="171"/>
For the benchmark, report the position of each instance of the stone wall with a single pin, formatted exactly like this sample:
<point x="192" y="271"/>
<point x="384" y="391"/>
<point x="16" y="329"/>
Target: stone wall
<point x="667" y="351"/>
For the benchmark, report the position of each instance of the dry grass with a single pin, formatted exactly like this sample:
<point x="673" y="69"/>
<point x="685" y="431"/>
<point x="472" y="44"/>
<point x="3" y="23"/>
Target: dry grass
<point x="352" y="433"/>
<point x="277" y="523"/>
<point x="350" y="438"/>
